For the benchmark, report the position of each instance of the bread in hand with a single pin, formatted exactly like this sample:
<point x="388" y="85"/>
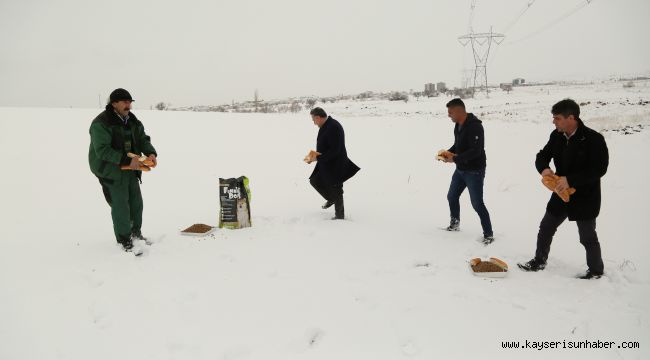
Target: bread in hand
<point x="143" y="160"/>
<point x="550" y="181"/>
<point x="311" y="156"/>
<point x="444" y="155"/>
<point x="142" y="167"/>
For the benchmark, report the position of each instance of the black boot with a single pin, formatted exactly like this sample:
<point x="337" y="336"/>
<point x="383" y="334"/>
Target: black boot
<point x="126" y="242"/>
<point x="454" y="225"/>
<point x="339" y="211"/>
<point x="533" y="265"/>
<point x="590" y="275"/>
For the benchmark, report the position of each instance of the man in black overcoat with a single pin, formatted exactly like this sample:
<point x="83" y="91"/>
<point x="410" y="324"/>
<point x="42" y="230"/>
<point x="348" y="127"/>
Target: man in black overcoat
<point x="333" y="167"/>
<point x="581" y="158"/>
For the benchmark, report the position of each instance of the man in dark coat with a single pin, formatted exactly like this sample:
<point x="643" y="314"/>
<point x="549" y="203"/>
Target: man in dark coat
<point x="114" y="133"/>
<point x="333" y="167"/>
<point x="581" y="158"/>
<point x="468" y="153"/>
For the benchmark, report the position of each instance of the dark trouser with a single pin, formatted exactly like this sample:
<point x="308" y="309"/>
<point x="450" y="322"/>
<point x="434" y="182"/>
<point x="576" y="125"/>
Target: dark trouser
<point x="332" y="193"/>
<point x="473" y="181"/>
<point x="125" y="200"/>
<point x="586" y="231"/>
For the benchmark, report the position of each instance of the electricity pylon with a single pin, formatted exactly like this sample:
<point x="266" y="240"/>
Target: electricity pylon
<point x="481" y="44"/>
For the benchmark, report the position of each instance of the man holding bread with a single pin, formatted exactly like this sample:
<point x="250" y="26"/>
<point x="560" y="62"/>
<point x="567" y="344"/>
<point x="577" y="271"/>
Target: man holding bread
<point x="581" y="158"/>
<point x="117" y="142"/>
<point x="468" y="153"/>
<point x="333" y="167"/>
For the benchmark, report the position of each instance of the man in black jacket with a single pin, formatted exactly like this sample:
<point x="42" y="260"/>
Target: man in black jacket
<point x="581" y="158"/>
<point x="333" y="167"/>
<point x="468" y="153"/>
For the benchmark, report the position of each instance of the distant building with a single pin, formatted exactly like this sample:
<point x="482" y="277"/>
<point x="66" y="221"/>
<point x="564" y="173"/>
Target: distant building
<point x="441" y="87"/>
<point x="505" y="86"/>
<point x="429" y="88"/>
<point x="518" y="82"/>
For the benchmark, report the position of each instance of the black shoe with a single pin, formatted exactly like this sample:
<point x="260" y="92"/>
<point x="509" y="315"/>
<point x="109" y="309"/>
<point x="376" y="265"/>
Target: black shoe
<point x="532" y="265"/>
<point x="328" y="204"/>
<point x="338" y="217"/>
<point x="454" y="225"/>
<point x="487" y="240"/>
<point x="138" y="236"/>
<point x="590" y="275"/>
<point x="126" y="242"/>
<point x="127" y="245"/>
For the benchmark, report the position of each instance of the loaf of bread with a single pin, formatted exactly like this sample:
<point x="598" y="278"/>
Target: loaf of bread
<point x="500" y="263"/>
<point x="142" y="167"/>
<point x="311" y="156"/>
<point x="550" y="181"/>
<point x="444" y="155"/>
<point x="143" y="160"/>
<point x="494" y="265"/>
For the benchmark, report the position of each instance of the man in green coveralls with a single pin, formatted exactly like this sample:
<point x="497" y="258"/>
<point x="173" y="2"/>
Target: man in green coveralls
<point x="114" y="133"/>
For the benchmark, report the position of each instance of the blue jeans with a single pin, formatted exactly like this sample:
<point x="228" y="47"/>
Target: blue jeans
<point x="473" y="181"/>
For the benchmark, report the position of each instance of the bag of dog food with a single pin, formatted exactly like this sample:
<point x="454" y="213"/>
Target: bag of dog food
<point x="234" y="197"/>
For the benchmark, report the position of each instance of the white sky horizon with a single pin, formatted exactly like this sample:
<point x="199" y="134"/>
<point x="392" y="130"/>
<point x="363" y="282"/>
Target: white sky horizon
<point x="73" y="53"/>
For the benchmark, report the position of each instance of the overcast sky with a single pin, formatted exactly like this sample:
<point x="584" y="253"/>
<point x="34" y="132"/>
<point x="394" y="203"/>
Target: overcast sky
<point x="73" y="53"/>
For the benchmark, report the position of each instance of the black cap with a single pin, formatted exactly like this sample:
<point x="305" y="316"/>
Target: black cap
<point x="120" y="94"/>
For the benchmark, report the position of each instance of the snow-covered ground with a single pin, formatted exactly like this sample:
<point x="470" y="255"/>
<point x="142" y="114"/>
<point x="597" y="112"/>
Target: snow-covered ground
<point x="385" y="284"/>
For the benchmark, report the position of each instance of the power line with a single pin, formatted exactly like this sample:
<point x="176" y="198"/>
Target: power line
<point x="512" y="23"/>
<point x="554" y="22"/>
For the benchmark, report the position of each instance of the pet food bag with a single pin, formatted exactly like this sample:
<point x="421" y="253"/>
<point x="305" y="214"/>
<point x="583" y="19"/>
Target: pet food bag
<point x="234" y="198"/>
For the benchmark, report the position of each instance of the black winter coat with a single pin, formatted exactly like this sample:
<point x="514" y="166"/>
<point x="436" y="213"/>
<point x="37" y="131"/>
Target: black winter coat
<point x="469" y="145"/>
<point x="333" y="166"/>
<point x="583" y="159"/>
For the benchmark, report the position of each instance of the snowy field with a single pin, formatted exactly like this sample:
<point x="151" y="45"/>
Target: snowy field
<point x="385" y="284"/>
